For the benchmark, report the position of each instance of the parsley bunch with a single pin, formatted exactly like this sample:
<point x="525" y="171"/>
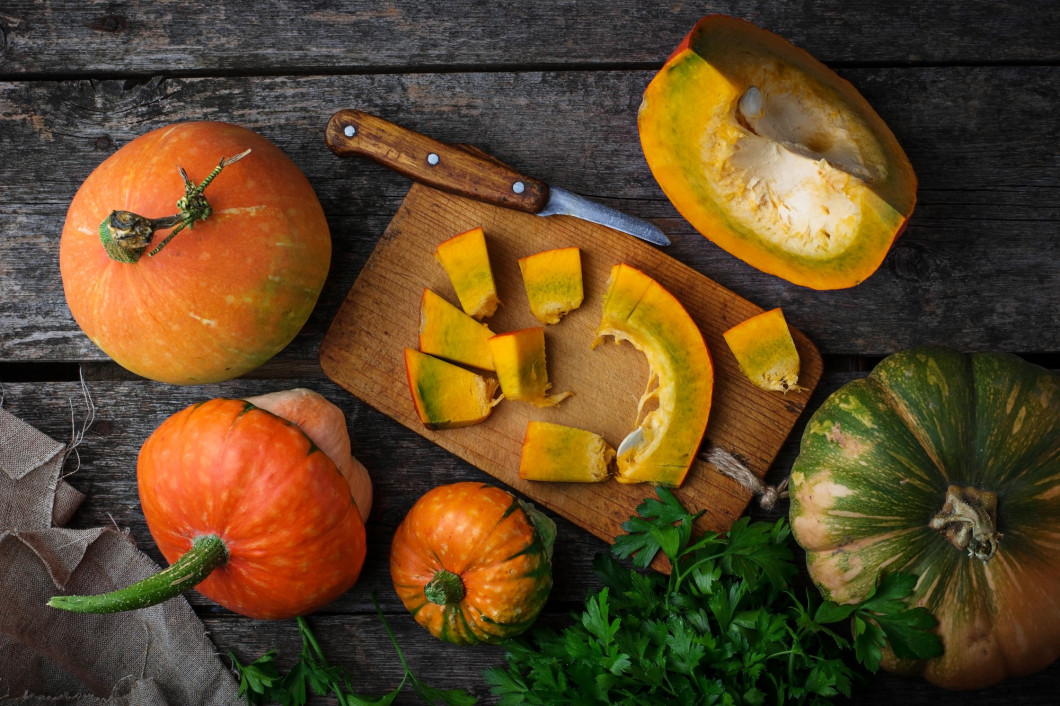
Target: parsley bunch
<point x="260" y="682"/>
<point x="725" y="627"/>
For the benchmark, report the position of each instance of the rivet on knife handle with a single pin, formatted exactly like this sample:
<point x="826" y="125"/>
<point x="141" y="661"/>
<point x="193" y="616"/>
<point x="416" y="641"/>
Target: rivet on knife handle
<point x="423" y="159"/>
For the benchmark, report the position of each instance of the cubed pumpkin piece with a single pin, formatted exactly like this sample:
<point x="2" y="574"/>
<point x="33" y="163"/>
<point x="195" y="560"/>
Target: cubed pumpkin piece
<point x="447" y="396"/>
<point x="519" y="359"/>
<point x="553" y="281"/>
<point x="553" y="452"/>
<point x="765" y="351"/>
<point x="447" y="332"/>
<point x="466" y="260"/>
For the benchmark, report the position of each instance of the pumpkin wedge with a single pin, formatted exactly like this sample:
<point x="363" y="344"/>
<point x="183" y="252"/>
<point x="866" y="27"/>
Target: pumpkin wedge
<point x="773" y="157"/>
<point x="447" y="332"/>
<point x="554" y="452"/>
<point x="765" y="351"/>
<point x="466" y="261"/>
<point x="553" y="282"/>
<point x="674" y="409"/>
<point x="519" y="359"/>
<point x="447" y="396"/>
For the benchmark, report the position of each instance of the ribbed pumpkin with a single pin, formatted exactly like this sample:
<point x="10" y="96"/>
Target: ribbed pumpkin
<point x="945" y="465"/>
<point x="249" y="509"/>
<point x="472" y="563"/>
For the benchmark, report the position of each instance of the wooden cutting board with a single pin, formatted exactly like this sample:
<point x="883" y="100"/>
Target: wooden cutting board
<point x="363" y="352"/>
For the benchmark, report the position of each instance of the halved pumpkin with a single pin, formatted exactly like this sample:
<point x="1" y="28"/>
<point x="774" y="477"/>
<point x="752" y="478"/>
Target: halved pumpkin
<point x="447" y="396"/>
<point x="681" y="380"/>
<point x="775" y="158"/>
<point x="447" y="332"/>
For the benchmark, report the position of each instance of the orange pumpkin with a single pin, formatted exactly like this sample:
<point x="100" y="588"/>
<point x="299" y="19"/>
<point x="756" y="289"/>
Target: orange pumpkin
<point x="230" y="290"/>
<point x="472" y="563"/>
<point x="246" y="503"/>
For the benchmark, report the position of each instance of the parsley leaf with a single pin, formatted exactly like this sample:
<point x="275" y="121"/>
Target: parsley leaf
<point x="260" y="681"/>
<point x="725" y="627"/>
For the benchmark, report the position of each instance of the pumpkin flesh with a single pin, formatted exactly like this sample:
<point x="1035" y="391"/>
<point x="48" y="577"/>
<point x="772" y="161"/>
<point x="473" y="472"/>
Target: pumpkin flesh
<point x="772" y="156"/>
<point x="222" y="297"/>
<point x="676" y="405"/>
<point x="877" y="465"/>
<point x="449" y="333"/>
<point x="465" y="260"/>
<point x="553" y="283"/>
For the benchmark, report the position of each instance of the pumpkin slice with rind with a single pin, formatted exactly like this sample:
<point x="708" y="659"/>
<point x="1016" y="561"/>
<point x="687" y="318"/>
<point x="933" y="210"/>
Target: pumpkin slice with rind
<point x="447" y="396"/>
<point x="765" y="351"/>
<point x="519" y="359"/>
<point x="447" y="332"/>
<point x="775" y="158"/>
<point x="559" y="453"/>
<point x="675" y="408"/>
<point x="553" y="282"/>
<point x="465" y="260"/>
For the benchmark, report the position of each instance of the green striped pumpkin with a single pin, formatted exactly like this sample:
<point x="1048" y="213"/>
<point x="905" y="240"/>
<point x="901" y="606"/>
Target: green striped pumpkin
<point x="472" y="563"/>
<point x="945" y="465"/>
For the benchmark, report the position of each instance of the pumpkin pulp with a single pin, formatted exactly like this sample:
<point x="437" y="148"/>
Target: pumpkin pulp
<point x="449" y="333"/>
<point x="772" y="156"/>
<point x="465" y="260"/>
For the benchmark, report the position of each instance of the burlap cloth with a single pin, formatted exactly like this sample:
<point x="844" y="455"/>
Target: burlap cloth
<point x="157" y="655"/>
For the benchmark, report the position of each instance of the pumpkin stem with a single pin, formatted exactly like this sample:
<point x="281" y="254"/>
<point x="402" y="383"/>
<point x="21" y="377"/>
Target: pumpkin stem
<point x="445" y="588"/>
<point x="125" y="235"/>
<point x="206" y="554"/>
<point x="968" y="519"/>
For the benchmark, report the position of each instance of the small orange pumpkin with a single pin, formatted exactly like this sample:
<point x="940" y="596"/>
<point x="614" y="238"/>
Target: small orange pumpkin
<point x="472" y="563"/>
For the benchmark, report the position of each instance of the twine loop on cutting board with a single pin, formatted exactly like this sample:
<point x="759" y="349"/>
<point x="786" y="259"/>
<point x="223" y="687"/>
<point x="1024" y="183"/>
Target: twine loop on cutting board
<point x="732" y="467"/>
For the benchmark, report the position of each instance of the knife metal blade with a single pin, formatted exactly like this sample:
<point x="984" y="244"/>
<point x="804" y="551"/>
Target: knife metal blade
<point x="465" y="173"/>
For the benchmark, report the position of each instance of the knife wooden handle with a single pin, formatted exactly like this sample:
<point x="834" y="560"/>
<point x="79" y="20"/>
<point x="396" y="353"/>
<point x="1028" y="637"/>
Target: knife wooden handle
<point x="423" y="159"/>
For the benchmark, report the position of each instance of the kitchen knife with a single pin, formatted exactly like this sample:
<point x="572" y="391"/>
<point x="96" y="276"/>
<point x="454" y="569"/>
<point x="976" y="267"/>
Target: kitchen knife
<point x="455" y="170"/>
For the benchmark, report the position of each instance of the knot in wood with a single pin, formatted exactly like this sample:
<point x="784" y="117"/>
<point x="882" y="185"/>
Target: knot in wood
<point x="914" y="263"/>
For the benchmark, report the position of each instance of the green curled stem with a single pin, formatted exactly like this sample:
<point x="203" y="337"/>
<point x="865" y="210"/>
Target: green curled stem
<point x="206" y="554"/>
<point x="126" y="235"/>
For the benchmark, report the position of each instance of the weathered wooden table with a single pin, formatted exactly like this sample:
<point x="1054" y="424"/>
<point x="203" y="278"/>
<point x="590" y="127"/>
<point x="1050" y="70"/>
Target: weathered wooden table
<point x="969" y="87"/>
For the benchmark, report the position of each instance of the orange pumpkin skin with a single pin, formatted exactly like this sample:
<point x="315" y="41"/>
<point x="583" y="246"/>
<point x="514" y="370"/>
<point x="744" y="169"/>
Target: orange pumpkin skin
<point x="220" y="298"/>
<point x="483" y="535"/>
<point x="294" y="536"/>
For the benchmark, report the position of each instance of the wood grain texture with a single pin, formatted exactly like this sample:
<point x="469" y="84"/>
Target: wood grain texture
<point x="358" y="35"/>
<point x="985" y="228"/>
<point x="403" y="465"/>
<point x="363" y="352"/>
<point x="552" y="87"/>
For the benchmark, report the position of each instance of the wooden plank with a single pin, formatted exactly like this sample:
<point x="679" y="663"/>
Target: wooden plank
<point x="985" y="228"/>
<point x="403" y="466"/>
<point x="198" y="37"/>
<point x="363" y="352"/>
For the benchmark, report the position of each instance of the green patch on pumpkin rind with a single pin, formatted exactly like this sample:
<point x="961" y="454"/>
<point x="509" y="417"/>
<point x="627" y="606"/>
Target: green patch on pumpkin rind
<point x="919" y="549"/>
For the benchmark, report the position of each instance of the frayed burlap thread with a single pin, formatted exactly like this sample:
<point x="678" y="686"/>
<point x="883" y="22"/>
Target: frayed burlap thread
<point x="158" y="656"/>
